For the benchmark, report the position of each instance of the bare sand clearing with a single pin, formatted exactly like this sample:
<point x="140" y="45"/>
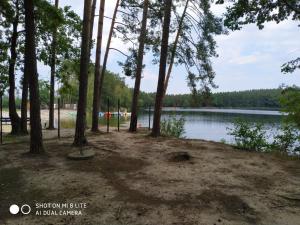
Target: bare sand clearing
<point x="135" y="179"/>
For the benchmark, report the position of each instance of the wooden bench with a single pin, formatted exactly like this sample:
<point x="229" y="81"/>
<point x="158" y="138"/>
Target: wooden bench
<point x="6" y="120"/>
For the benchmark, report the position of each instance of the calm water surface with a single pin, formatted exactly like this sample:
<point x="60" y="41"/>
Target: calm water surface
<point x="213" y="124"/>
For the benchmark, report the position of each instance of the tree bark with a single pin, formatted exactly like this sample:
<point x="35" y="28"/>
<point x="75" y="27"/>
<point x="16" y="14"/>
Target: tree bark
<point x="175" y="47"/>
<point x="138" y="75"/>
<point x="107" y="49"/>
<point x="162" y="69"/>
<point x="13" y="115"/>
<point x="24" y="129"/>
<point x="52" y="79"/>
<point x="36" y="139"/>
<point x="92" y="23"/>
<point x="80" y="138"/>
<point x="95" y="116"/>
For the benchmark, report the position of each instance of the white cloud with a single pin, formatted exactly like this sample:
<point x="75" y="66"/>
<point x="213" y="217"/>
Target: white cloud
<point x="244" y="60"/>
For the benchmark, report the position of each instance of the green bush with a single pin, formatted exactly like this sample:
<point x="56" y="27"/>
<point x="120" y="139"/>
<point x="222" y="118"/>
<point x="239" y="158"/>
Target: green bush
<point x="252" y="136"/>
<point x="287" y="139"/>
<point x="289" y="101"/>
<point x="172" y="127"/>
<point x="249" y="136"/>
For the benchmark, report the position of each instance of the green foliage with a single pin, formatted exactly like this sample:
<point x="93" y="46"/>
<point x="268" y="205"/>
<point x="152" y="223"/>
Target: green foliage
<point x="113" y="121"/>
<point x="253" y="136"/>
<point x="242" y="12"/>
<point x="252" y="99"/>
<point x="197" y="48"/>
<point x="67" y="25"/>
<point x="223" y="141"/>
<point x="172" y="127"/>
<point x="287" y="138"/>
<point x="264" y="98"/>
<point x="44" y="89"/>
<point x="3" y="74"/>
<point x="5" y="102"/>
<point x="7" y="18"/>
<point x="48" y="19"/>
<point x="196" y="45"/>
<point x="289" y="101"/>
<point x="291" y="66"/>
<point x="114" y="87"/>
<point x="249" y="136"/>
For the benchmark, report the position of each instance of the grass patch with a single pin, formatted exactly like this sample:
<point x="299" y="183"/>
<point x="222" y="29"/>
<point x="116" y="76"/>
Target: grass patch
<point x="113" y="122"/>
<point x="8" y="138"/>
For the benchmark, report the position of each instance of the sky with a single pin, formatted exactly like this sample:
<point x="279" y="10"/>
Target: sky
<point x="248" y="59"/>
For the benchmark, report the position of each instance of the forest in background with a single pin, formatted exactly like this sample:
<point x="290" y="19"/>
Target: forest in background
<point x="115" y="88"/>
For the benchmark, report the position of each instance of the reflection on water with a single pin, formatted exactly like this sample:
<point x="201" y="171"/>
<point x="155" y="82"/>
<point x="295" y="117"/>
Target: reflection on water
<point x="212" y="125"/>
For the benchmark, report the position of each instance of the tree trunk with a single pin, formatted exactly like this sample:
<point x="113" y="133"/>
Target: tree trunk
<point x="80" y="138"/>
<point x="24" y="105"/>
<point x="107" y="50"/>
<point x="95" y="116"/>
<point x="138" y="76"/>
<point x="30" y="68"/>
<point x="162" y="69"/>
<point x="175" y="47"/>
<point x="13" y="115"/>
<point x="52" y="79"/>
<point x="92" y="23"/>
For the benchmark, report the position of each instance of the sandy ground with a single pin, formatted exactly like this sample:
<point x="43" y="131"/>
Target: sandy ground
<point x="65" y="114"/>
<point x="135" y="179"/>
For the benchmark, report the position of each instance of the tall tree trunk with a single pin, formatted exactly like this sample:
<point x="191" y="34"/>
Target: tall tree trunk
<point x="13" y="115"/>
<point x="138" y="75"/>
<point x="107" y="49"/>
<point x="80" y="138"/>
<point x="24" y="104"/>
<point x="175" y="47"/>
<point x="52" y="79"/>
<point x="162" y="69"/>
<point x="92" y="23"/>
<point x="36" y="139"/>
<point x="95" y="116"/>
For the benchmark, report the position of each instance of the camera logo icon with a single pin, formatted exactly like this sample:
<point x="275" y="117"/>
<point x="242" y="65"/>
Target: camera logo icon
<point x="15" y="209"/>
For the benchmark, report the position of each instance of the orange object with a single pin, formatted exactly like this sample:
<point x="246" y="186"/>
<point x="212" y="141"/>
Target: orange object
<point x="107" y="115"/>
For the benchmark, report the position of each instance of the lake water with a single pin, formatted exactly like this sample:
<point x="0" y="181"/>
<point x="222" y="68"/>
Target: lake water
<point x="213" y="124"/>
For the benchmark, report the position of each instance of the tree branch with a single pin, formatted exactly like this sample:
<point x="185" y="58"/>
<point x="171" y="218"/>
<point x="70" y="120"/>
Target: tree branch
<point x="119" y="51"/>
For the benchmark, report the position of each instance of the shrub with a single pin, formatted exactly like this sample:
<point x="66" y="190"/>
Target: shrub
<point x="249" y="136"/>
<point x="252" y="136"/>
<point x="223" y="141"/>
<point x="172" y="127"/>
<point x="287" y="139"/>
<point x="289" y="101"/>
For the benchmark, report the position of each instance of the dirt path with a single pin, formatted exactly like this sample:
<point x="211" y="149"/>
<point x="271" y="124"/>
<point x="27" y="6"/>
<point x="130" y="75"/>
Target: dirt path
<point x="135" y="179"/>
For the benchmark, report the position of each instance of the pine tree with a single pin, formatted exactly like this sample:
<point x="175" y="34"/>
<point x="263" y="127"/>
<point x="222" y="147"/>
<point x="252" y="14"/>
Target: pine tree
<point x="80" y="138"/>
<point x="30" y="68"/>
<point x="139" y="68"/>
<point x="162" y="68"/>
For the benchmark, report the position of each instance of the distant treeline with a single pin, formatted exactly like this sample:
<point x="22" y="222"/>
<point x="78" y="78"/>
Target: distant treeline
<point x="114" y="88"/>
<point x="263" y="98"/>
